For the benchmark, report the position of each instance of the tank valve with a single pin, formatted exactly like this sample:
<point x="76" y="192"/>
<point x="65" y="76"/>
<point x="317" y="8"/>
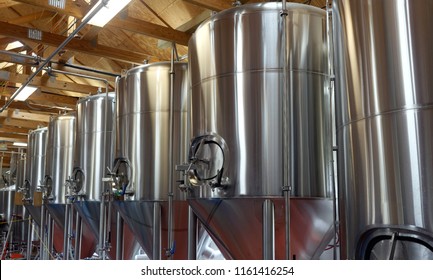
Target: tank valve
<point x="119" y="178"/>
<point x="208" y="160"/>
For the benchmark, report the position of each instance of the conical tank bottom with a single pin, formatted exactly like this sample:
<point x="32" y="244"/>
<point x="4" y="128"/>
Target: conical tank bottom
<point x="35" y="213"/>
<point x="88" y="242"/>
<point x="139" y="216"/>
<point x="89" y="212"/>
<point x="236" y="226"/>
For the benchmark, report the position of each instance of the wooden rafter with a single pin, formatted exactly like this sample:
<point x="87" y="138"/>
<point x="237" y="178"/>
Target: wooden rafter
<point x="47" y="82"/>
<point x="150" y="29"/>
<point x="20" y="32"/>
<point x="74" y="8"/>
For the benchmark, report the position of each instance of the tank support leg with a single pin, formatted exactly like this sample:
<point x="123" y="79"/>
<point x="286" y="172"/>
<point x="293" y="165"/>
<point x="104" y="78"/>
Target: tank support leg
<point x="156" y="238"/>
<point x="268" y="230"/>
<point x="192" y="234"/>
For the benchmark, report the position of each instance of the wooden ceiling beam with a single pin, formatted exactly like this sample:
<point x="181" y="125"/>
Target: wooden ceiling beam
<point x="221" y="5"/>
<point x="39" y="107"/>
<point x="84" y="46"/>
<point x="47" y="82"/>
<point x="13" y="129"/>
<point x="73" y="8"/>
<point x="12" y="137"/>
<point x="60" y="66"/>
<point x="7" y="3"/>
<point x="151" y="30"/>
<point x="25" y="115"/>
<point x="31" y="17"/>
<point x="212" y="5"/>
<point x="21" y="123"/>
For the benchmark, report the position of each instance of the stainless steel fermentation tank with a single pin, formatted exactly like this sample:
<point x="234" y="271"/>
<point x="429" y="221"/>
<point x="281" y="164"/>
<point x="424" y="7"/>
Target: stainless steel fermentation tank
<point x="94" y="154"/>
<point x="58" y="168"/>
<point x="260" y="122"/>
<point x="143" y="155"/>
<point x="35" y="171"/>
<point x="384" y="83"/>
<point x="8" y="192"/>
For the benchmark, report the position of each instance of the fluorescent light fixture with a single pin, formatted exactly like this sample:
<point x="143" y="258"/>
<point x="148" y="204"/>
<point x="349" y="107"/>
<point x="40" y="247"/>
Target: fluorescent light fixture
<point x="20" y="144"/>
<point x="25" y="93"/>
<point x="112" y="8"/>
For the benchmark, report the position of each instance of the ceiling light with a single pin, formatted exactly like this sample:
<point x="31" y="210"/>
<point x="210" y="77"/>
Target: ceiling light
<point x="25" y="93"/>
<point x="20" y="144"/>
<point x="112" y="8"/>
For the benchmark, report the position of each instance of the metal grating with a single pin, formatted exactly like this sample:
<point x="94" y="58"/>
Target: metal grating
<point x="57" y="3"/>
<point x="34" y="34"/>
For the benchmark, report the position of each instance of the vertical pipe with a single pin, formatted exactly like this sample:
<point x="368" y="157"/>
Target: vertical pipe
<point x="330" y="41"/>
<point x="108" y="224"/>
<point x="286" y="191"/>
<point x="119" y="236"/>
<point x="29" y="238"/>
<point x="288" y="118"/>
<point x="101" y="240"/>
<point x="24" y="226"/>
<point x="170" y="158"/>
<point x="50" y="235"/>
<point x="42" y="235"/>
<point x="78" y="236"/>
<point x="156" y="238"/>
<point x="268" y="230"/>
<point x="66" y="233"/>
<point x="286" y="100"/>
<point x="192" y="234"/>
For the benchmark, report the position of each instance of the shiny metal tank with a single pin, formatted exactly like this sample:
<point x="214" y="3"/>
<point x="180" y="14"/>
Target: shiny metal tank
<point x="142" y="154"/>
<point x="7" y="195"/>
<point x="36" y="154"/>
<point x="91" y="159"/>
<point x="59" y="166"/>
<point x="60" y="153"/>
<point x="384" y="82"/>
<point x="236" y="62"/>
<point x="241" y="118"/>
<point x="143" y="127"/>
<point x="95" y="128"/>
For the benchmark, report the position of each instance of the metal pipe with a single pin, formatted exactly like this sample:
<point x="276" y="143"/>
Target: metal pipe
<point x="330" y="40"/>
<point x="119" y="236"/>
<point x="156" y="238"/>
<point x="287" y="193"/>
<point x="42" y="233"/>
<point x="192" y="234"/>
<point x="108" y="224"/>
<point x="37" y="59"/>
<point x="101" y="241"/>
<point x="50" y="235"/>
<point x="59" y="48"/>
<point x="26" y="56"/>
<point x="78" y="236"/>
<point x="170" y="159"/>
<point x="288" y="133"/>
<point x="24" y="227"/>
<point x="49" y="69"/>
<point x="29" y="238"/>
<point x="103" y="158"/>
<point x="268" y="230"/>
<point x="66" y="233"/>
